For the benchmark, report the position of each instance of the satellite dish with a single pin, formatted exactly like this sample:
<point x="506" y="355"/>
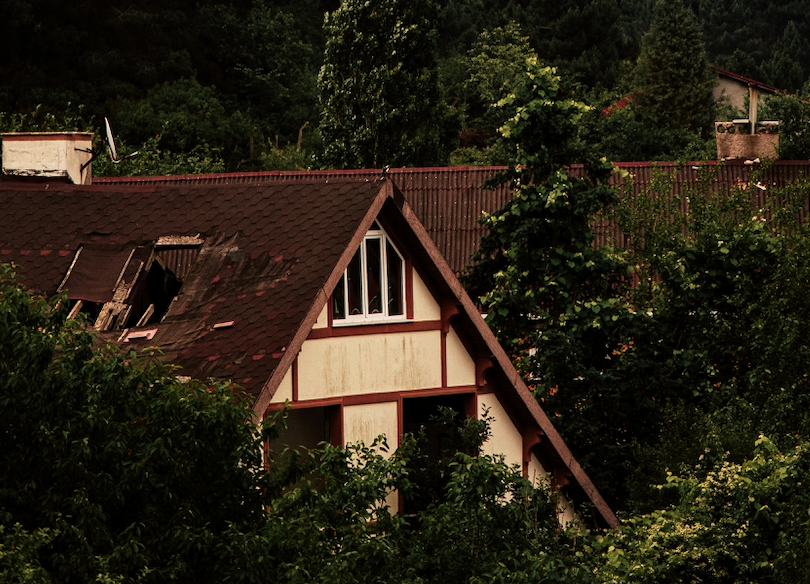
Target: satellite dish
<point x="111" y="144"/>
<point x="110" y="140"/>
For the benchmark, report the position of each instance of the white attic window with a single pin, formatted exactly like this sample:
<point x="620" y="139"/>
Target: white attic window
<point x="372" y="287"/>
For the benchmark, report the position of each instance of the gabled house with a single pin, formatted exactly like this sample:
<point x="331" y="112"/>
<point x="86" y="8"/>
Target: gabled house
<point x="326" y="294"/>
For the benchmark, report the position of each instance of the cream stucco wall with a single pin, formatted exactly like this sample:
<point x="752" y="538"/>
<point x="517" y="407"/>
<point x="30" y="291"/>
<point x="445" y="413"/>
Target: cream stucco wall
<point x="363" y="364"/>
<point x="323" y="319"/>
<point x="460" y="366"/>
<point x="49" y="154"/>
<point x="505" y="438"/>
<point x="364" y="423"/>
<point x="425" y="306"/>
<point x="285" y="389"/>
<point x="536" y="473"/>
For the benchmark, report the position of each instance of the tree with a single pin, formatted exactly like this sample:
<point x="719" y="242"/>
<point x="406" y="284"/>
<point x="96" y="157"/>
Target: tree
<point x="114" y="469"/>
<point x="186" y="117"/>
<point x="736" y="522"/>
<point x="111" y="467"/>
<point x="785" y="67"/>
<point x="793" y="113"/>
<point x="492" y="68"/>
<point x="379" y="88"/>
<point x="556" y="303"/>
<point x="672" y="78"/>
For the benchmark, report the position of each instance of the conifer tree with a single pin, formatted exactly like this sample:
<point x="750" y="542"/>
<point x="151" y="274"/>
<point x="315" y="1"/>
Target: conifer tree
<point x="379" y="86"/>
<point x="673" y="80"/>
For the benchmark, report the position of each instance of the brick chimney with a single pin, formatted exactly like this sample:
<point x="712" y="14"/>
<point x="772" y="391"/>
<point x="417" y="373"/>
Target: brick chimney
<point x="61" y="156"/>
<point x="747" y="138"/>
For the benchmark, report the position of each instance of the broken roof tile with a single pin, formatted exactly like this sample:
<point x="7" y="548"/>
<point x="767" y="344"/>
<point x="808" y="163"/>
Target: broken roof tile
<point x="281" y="241"/>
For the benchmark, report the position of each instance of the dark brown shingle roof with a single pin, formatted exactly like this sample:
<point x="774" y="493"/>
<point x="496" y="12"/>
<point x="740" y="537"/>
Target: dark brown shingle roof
<point x="267" y="252"/>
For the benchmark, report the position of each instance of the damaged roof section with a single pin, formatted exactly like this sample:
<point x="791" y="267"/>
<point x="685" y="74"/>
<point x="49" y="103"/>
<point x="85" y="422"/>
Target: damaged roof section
<point x="219" y="277"/>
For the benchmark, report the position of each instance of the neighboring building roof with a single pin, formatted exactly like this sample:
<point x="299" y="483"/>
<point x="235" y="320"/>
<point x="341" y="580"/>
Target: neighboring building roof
<point x="271" y="254"/>
<point x="745" y="80"/>
<point x="449" y="201"/>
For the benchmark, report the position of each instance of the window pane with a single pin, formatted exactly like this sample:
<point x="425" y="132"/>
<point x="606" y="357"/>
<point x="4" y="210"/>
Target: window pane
<point x="396" y="286"/>
<point x="339" y="300"/>
<point x="374" y="273"/>
<point x="355" y="285"/>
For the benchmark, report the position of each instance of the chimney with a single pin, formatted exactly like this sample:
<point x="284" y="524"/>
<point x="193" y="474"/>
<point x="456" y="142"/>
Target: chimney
<point x="748" y="138"/>
<point x="48" y="155"/>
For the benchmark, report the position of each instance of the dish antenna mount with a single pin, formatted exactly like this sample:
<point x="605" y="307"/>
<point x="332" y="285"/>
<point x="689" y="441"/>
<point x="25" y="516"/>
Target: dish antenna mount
<point x="108" y="137"/>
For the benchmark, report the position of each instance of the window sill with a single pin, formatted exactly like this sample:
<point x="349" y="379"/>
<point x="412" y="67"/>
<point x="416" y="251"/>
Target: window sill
<point x="370" y="321"/>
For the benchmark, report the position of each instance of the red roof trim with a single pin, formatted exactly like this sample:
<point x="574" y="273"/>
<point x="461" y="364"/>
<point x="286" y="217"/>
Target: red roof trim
<point x="292" y="174"/>
<point x="747" y="80"/>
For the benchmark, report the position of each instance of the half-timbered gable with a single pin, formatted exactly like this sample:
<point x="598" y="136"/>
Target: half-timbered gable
<point x="326" y="295"/>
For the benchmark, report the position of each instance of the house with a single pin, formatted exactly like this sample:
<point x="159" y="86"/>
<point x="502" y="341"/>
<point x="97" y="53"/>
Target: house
<point x="736" y="90"/>
<point x="327" y="294"/>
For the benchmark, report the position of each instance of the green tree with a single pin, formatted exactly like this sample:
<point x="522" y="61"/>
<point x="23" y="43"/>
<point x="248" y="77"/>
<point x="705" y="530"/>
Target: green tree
<point x="555" y="301"/>
<point x="672" y="78"/>
<point x="738" y="522"/>
<point x="113" y="469"/>
<point x="793" y="113"/>
<point x="379" y="87"/>
<point x="120" y="469"/>
<point x="492" y="68"/>
<point x="186" y="116"/>
<point x="786" y="68"/>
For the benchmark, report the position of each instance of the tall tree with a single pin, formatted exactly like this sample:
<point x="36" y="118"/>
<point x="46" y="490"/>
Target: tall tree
<point x="672" y="78"/>
<point x="379" y="87"/>
<point x="553" y="299"/>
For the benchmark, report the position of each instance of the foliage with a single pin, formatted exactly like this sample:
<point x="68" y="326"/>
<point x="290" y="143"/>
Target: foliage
<point x="793" y="113"/>
<point x="186" y="116"/>
<point x="379" y="88"/>
<point x="759" y="39"/>
<point x="554" y="300"/>
<point x="110" y="466"/>
<point x="672" y="79"/>
<point x="724" y="291"/>
<point x="493" y="67"/>
<point x="274" y="88"/>
<point x="112" y="469"/>
<point x="43" y="119"/>
<point x="113" y="54"/>
<point x="497" y="62"/>
<point x="641" y="379"/>
<point x="738" y="522"/>
<point x="19" y="551"/>
<point x="152" y="160"/>
<point x="631" y="133"/>
<point x="583" y="39"/>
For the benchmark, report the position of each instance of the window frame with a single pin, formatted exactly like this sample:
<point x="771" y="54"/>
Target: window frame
<point x="376" y="232"/>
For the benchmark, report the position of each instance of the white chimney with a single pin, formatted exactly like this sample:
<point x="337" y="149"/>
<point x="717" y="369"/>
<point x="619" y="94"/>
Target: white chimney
<point x="49" y="155"/>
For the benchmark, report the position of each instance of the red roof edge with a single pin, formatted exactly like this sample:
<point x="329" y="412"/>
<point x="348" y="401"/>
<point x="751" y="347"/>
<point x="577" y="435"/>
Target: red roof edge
<point x="747" y="80"/>
<point x="293" y="174"/>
